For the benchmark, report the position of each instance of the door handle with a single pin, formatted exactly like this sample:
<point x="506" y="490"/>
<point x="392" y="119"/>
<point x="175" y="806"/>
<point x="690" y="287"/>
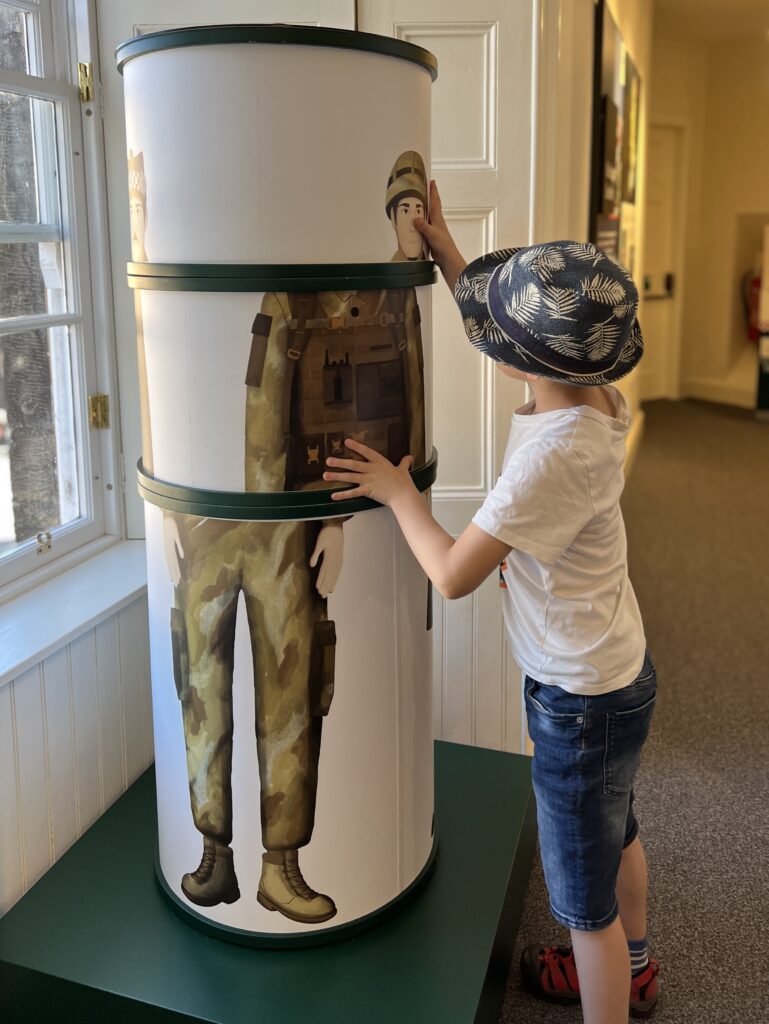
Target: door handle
<point x="659" y="286"/>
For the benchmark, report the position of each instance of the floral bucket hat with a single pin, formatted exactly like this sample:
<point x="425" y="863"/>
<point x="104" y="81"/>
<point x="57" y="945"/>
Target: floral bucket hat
<point x="563" y="310"/>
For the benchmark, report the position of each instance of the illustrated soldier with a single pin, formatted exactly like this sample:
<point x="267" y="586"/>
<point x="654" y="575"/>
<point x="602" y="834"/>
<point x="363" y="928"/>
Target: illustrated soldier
<point x="322" y="367"/>
<point x="407" y="199"/>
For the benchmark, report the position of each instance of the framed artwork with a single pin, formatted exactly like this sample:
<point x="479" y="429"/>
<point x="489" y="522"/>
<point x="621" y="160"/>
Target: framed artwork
<point x="632" y="101"/>
<point x="616" y="116"/>
<point x="607" y="236"/>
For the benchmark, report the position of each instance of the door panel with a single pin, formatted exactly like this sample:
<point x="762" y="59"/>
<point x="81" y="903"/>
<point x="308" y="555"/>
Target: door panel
<point x="483" y="172"/>
<point x="662" y="305"/>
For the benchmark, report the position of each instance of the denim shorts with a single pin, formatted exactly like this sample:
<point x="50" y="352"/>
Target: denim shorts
<point x="586" y="753"/>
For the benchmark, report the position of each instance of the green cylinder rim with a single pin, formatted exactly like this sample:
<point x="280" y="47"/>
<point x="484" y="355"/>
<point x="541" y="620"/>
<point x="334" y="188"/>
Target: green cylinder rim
<point x="267" y="277"/>
<point x="268" y="506"/>
<point x="297" y="35"/>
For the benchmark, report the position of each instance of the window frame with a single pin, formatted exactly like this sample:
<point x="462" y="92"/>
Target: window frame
<point x="67" y="34"/>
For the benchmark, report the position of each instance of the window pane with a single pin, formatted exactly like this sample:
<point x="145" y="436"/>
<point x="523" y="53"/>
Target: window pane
<point x="14" y="39"/>
<point x="31" y="279"/>
<point x="29" y="192"/>
<point x="39" y="451"/>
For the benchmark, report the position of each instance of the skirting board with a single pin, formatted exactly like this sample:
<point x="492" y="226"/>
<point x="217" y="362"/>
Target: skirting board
<point x="711" y="390"/>
<point x="96" y="940"/>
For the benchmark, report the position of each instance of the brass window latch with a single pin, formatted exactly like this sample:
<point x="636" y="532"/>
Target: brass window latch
<point x="43" y="542"/>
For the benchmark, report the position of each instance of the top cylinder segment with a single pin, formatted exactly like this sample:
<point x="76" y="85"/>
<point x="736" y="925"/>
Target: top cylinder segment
<point x="297" y="35"/>
<point x="314" y="151"/>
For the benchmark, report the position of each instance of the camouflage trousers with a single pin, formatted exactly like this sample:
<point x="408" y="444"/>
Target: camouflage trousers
<point x="292" y="645"/>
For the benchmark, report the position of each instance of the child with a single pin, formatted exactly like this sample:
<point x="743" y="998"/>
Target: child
<point x="562" y="318"/>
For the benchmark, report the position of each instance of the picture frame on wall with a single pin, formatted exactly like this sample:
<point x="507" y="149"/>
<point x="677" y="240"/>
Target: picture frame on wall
<point x="615" y="135"/>
<point x="632" y="102"/>
<point x="607" y="236"/>
<point x="610" y="190"/>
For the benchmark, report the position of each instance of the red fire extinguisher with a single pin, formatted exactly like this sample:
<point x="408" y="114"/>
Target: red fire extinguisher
<point x="751" y="293"/>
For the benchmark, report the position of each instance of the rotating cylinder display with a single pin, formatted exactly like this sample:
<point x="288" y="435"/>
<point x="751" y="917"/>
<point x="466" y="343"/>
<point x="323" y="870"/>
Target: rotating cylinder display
<point x="283" y="304"/>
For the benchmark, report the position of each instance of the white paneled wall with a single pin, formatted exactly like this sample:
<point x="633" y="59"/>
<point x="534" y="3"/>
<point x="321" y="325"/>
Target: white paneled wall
<point x="75" y="732"/>
<point x="476" y="685"/>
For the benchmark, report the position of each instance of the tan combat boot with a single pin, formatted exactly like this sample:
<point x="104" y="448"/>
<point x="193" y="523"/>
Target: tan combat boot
<point x="282" y="888"/>
<point x="214" y="881"/>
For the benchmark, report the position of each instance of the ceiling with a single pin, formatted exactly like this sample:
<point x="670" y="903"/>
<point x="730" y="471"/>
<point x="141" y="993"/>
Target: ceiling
<point x="711" y="19"/>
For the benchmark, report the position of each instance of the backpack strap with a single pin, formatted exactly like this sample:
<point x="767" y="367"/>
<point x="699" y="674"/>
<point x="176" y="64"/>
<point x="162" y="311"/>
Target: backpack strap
<point x="301" y="306"/>
<point x="395" y="301"/>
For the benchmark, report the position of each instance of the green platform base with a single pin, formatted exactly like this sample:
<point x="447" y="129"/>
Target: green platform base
<point x="95" y="940"/>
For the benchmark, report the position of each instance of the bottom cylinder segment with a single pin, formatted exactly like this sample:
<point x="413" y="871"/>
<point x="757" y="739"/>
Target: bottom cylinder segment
<point x="293" y="734"/>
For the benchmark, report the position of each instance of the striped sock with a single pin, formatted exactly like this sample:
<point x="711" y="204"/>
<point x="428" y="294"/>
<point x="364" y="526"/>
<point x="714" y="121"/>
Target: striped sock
<point x="639" y="955"/>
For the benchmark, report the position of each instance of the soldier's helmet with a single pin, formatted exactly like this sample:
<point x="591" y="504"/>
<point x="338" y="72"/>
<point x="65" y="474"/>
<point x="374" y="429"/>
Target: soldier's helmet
<point x="407" y="178"/>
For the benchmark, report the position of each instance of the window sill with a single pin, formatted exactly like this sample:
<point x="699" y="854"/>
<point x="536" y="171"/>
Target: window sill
<point x="47" y="617"/>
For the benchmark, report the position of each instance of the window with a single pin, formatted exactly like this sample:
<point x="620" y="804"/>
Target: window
<point x="52" y="492"/>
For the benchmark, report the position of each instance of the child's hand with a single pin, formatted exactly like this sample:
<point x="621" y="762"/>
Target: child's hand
<point x="442" y="246"/>
<point x="375" y="478"/>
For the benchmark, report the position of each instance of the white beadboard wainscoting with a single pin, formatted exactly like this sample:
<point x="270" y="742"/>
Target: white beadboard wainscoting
<point x="476" y="683"/>
<point x="75" y="732"/>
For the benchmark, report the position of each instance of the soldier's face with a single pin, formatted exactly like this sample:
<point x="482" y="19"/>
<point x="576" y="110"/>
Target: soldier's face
<point x="136" y="207"/>
<point x="410" y="242"/>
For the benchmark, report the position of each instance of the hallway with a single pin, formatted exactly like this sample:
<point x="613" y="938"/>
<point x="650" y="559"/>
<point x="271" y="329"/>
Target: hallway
<point x="696" y="509"/>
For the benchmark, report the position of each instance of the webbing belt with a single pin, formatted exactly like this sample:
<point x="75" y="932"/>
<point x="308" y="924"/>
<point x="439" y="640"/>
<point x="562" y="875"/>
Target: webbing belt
<point x="340" y="323"/>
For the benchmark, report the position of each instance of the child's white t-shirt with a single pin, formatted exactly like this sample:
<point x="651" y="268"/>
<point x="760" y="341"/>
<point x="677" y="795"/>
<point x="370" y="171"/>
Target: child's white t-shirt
<point x="571" y="614"/>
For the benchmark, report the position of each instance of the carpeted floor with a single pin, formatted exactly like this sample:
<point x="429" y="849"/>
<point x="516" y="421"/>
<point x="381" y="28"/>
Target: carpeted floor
<point x="696" y="508"/>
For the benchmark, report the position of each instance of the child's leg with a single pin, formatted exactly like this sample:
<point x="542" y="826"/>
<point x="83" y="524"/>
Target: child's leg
<point x="603" y="965"/>
<point x="586" y="752"/>
<point x="632" y="889"/>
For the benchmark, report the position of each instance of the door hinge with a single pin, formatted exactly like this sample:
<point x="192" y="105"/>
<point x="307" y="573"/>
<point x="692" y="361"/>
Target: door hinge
<point x="98" y="411"/>
<point x="85" y="81"/>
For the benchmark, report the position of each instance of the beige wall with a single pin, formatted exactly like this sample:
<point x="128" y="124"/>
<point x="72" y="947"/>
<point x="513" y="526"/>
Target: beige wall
<point x="719" y="95"/>
<point x="634" y="21"/>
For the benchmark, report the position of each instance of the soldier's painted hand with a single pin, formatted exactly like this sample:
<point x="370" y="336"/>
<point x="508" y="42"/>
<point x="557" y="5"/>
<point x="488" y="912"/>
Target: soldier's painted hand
<point x="172" y="548"/>
<point x="373" y="475"/>
<point x="330" y="548"/>
<point x="443" y="248"/>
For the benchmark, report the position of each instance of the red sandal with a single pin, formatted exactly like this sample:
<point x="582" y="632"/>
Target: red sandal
<point x="644" y="991"/>
<point x="550" y="973"/>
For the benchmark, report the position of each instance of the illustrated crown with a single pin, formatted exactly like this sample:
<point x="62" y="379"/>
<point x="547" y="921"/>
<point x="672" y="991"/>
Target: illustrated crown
<point x="137" y="182"/>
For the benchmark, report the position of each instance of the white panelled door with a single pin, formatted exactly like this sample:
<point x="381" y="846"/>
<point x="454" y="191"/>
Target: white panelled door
<point x="481" y="160"/>
<point x="117" y="22"/>
<point x="662" y="314"/>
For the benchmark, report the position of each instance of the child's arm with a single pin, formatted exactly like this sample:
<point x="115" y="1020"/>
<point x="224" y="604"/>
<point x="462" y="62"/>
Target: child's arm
<point x="456" y="567"/>
<point x="443" y="248"/>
